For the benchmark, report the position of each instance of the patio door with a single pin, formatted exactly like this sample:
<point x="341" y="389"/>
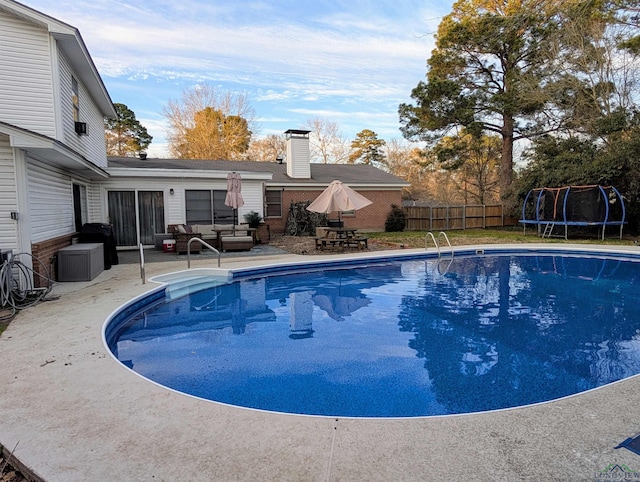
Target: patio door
<point x="150" y="215"/>
<point x="136" y="216"/>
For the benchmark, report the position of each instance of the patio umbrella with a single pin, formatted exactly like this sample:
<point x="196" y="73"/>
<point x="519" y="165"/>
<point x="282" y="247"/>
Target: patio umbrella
<point x="338" y="197"/>
<point x="337" y="307"/>
<point x="234" y="193"/>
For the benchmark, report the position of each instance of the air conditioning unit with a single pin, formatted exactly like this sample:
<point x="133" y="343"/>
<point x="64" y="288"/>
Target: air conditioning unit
<point x="81" y="128"/>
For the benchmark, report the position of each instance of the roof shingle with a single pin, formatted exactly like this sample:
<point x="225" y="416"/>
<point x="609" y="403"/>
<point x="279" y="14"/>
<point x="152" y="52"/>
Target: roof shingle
<point x="352" y="174"/>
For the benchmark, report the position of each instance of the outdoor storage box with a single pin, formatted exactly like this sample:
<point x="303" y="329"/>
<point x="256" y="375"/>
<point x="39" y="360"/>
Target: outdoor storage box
<point x="80" y="262"/>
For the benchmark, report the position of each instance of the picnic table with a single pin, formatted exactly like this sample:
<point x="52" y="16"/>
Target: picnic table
<point x="340" y="237"/>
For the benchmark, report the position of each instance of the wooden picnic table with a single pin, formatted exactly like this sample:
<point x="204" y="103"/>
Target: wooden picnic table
<point x="341" y="238"/>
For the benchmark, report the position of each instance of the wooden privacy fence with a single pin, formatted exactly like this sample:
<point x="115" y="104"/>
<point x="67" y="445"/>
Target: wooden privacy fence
<point x="427" y="218"/>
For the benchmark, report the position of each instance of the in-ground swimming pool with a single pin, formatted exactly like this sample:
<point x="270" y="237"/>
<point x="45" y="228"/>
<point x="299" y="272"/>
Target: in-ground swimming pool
<point x="410" y="337"/>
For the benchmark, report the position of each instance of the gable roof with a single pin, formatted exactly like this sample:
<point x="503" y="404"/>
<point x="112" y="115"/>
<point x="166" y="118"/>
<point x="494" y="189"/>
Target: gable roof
<point x="321" y="174"/>
<point x="71" y="43"/>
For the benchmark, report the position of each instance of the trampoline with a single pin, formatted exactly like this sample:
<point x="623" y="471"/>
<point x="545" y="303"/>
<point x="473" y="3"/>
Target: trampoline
<point x="555" y="209"/>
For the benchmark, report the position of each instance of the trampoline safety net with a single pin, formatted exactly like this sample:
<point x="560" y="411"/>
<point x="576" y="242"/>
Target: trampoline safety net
<point x="561" y="207"/>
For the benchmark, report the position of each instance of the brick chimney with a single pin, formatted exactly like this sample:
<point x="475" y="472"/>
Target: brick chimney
<point x="298" y="155"/>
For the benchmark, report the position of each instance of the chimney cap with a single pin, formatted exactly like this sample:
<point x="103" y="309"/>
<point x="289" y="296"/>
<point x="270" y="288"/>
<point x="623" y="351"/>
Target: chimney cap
<point x="300" y="132"/>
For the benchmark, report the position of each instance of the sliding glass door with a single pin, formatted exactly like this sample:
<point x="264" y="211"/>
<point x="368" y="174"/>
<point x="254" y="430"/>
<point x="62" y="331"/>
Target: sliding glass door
<point x="150" y="215"/>
<point x="122" y="216"/>
<point x="136" y="216"/>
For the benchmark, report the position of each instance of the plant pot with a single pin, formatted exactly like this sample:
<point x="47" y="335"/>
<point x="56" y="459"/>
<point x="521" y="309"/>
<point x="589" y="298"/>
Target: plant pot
<point x="263" y="234"/>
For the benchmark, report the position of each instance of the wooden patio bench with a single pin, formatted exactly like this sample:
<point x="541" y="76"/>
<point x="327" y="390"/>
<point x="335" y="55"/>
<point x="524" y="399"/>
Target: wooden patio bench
<point x="360" y="242"/>
<point x="324" y="241"/>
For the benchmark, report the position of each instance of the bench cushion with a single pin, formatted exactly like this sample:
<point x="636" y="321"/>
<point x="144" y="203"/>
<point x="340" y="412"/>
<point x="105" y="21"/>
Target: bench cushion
<point x="206" y="230"/>
<point x="230" y="229"/>
<point x="238" y="239"/>
<point x="236" y="242"/>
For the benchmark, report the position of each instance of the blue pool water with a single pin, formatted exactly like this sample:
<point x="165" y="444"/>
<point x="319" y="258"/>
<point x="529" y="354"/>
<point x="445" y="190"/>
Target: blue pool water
<point x="415" y="337"/>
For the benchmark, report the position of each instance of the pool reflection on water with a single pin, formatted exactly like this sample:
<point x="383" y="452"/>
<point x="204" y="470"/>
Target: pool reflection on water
<point x="397" y="339"/>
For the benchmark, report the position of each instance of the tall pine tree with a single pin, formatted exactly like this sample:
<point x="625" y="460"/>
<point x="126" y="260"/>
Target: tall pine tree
<point x="125" y="136"/>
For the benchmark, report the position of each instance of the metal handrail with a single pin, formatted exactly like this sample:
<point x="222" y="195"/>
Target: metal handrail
<point x="204" y="243"/>
<point x="142" y="275"/>
<point x="435" y="243"/>
<point x="443" y="234"/>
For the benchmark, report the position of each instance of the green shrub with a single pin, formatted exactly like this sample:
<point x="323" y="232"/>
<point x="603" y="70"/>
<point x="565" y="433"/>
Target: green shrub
<point x="396" y="220"/>
<point x="253" y="219"/>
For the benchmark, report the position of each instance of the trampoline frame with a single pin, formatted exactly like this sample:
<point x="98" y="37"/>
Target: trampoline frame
<point x="551" y="223"/>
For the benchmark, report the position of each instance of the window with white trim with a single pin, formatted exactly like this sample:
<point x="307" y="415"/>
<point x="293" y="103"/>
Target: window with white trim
<point x="80" y="205"/>
<point x="273" y="201"/>
<point x="206" y="206"/>
<point x="75" y="99"/>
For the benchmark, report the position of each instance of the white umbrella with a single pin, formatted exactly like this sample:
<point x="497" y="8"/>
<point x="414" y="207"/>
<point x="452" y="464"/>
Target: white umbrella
<point x="338" y="197"/>
<point x="234" y="192"/>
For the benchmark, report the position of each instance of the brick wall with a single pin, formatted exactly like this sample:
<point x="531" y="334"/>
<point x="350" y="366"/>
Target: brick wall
<point x="45" y="252"/>
<point x="370" y="218"/>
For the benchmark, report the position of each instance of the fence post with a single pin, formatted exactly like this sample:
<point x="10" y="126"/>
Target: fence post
<point x="464" y="217"/>
<point x="430" y="218"/>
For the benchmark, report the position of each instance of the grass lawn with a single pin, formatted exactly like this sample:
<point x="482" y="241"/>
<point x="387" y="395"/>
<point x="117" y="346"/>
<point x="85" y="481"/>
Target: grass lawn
<point x="506" y="235"/>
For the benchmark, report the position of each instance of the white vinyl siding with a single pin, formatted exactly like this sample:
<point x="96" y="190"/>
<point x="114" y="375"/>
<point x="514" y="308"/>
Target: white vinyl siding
<point x="50" y="202"/>
<point x="26" y="85"/>
<point x="8" y="196"/>
<point x="92" y="145"/>
<point x="174" y="207"/>
<point x="95" y="204"/>
<point x="298" y="157"/>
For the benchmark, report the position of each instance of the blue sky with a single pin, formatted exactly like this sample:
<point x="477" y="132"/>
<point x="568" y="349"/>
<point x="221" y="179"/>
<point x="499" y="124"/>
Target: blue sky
<point x="348" y="62"/>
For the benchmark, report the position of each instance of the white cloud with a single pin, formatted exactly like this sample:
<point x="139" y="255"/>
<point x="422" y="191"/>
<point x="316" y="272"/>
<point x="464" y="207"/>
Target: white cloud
<point x="348" y="61"/>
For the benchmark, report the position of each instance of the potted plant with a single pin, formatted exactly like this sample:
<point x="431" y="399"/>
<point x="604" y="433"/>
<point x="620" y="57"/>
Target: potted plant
<point x="253" y="219"/>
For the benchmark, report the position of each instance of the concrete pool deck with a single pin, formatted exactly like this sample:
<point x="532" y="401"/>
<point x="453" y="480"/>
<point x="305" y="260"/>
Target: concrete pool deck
<point x="78" y="415"/>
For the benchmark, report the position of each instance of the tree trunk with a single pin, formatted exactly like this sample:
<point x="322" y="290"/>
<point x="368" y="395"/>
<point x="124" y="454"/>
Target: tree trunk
<point x="506" y="161"/>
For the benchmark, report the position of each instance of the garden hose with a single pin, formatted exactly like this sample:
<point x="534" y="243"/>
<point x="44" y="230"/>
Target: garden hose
<point x="17" y="290"/>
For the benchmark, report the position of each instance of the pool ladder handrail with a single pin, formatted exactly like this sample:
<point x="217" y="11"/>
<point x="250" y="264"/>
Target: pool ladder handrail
<point x="441" y="234"/>
<point x="204" y="243"/>
<point x="142" y="275"/>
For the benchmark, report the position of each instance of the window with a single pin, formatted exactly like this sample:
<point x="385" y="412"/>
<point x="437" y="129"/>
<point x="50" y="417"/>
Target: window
<point x="208" y="207"/>
<point x="273" y="200"/>
<point x="80" y="205"/>
<point x="75" y="100"/>
<point x="198" y="204"/>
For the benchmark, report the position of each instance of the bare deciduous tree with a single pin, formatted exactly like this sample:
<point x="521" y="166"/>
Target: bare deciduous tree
<point x="267" y="149"/>
<point x="328" y="145"/>
<point x="406" y="161"/>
